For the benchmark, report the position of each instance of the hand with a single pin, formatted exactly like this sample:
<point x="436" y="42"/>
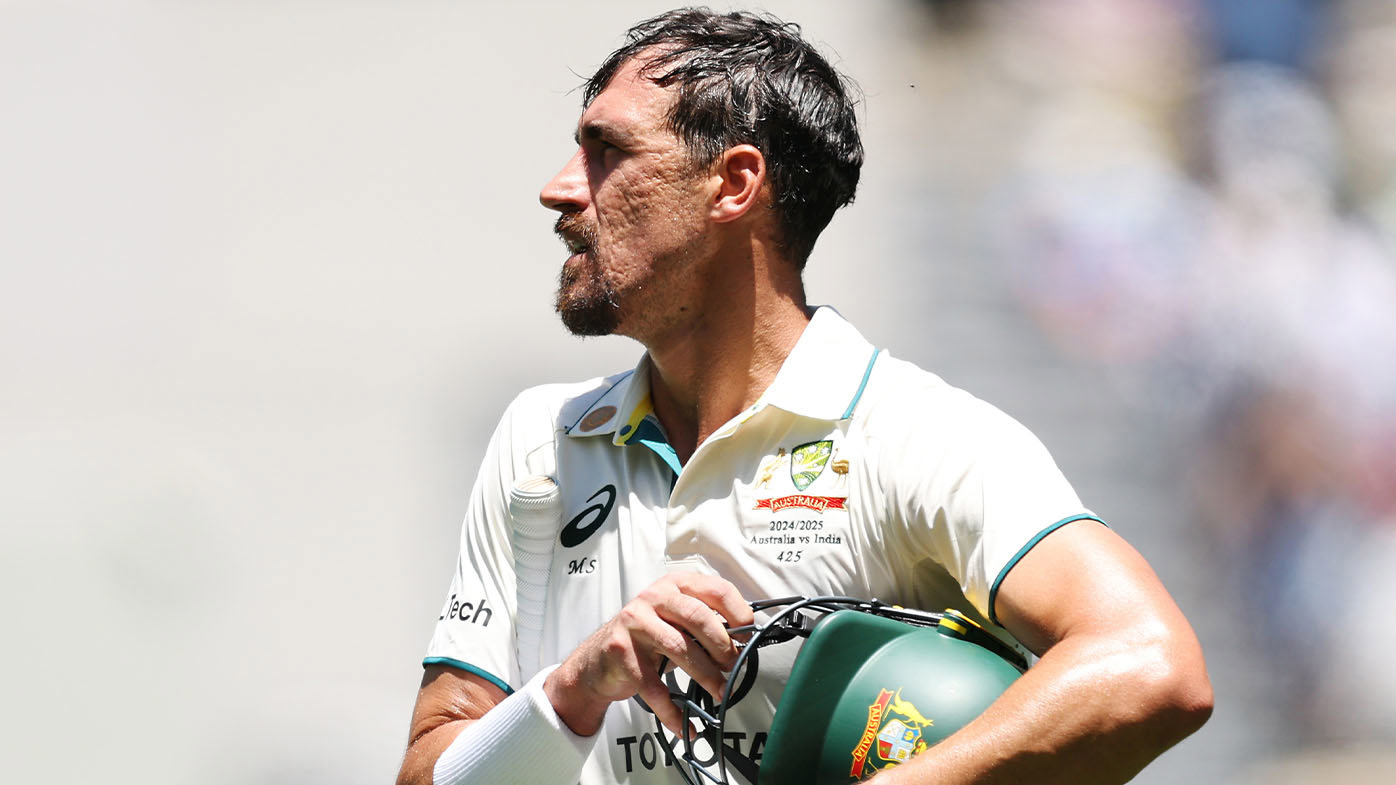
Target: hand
<point x="680" y="616"/>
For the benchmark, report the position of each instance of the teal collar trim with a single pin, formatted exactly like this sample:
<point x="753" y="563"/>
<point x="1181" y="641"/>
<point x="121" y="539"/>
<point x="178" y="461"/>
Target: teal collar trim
<point x="863" y="385"/>
<point x="827" y="371"/>
<point x="649" y="434"/>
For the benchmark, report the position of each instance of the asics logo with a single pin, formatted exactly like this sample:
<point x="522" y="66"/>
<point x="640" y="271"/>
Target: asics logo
<point x="589" y="520"/>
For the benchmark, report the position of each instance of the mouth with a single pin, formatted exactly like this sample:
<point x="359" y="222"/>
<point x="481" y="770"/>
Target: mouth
<point x="575" y="233"/>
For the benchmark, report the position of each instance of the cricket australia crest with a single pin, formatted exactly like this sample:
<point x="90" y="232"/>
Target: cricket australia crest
<point x="808" y="460"/>
<point x="891" y="736"/>
<point x="806" y="463"/>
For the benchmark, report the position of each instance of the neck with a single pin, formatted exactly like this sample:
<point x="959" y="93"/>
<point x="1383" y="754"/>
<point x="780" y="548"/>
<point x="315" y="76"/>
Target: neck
<point x="717" y="363"/>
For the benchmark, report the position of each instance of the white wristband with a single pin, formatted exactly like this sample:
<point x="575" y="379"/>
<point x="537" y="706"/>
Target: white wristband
<point x="521" y="740"/>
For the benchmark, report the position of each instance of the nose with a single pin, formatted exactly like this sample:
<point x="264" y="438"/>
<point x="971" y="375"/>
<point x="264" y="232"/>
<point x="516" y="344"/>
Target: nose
<point x="567" y="191"/>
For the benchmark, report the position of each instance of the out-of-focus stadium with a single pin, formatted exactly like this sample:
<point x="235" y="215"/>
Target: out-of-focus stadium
<point x="269" y="271"/>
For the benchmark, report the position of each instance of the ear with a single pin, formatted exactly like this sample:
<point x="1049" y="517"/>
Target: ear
<point x="738" y="174"/>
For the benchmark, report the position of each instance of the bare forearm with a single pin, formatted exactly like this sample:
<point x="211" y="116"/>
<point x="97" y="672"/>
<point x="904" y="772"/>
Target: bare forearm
<point x="1094" y="711"/>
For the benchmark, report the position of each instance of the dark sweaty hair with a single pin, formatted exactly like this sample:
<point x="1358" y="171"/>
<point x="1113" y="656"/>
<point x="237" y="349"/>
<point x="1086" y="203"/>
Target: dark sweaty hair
<point x="744" y="78"/>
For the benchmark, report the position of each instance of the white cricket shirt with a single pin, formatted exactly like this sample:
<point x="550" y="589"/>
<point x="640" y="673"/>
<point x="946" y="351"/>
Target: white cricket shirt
<point x="854" y="474"/>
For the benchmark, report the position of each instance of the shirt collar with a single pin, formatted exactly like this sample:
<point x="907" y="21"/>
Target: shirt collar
<point x="620" y="409"/>
<point x="826" y="372"/>
<point x="822" y="378"/>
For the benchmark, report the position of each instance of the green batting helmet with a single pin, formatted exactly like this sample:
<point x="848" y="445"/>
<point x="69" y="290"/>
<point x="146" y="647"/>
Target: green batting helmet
<point x="872" y="685"/>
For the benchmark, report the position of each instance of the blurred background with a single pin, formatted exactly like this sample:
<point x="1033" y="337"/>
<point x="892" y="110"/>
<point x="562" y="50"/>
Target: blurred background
<point x="269" y="272"/>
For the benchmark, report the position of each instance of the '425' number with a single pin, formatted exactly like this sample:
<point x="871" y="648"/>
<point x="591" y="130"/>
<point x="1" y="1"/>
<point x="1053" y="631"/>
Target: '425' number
<point x="789" y="556"/>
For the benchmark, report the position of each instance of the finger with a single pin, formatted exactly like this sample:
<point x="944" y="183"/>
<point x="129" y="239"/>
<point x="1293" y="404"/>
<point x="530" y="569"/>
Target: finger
<point x="722" y="596"/>
<point x="692" y="615"/>
<point x="657" y="697"/>
<point x="717" y="593"/>
<point x="694" y="660"/>
<point x="697" y="619"/>
<point x="669" y="640"/>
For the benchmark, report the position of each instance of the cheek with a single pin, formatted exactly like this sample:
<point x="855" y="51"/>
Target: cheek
<point x="652" y="212"/>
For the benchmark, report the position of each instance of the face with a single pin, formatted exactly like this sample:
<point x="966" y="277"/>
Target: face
<point x="632" y="214"/>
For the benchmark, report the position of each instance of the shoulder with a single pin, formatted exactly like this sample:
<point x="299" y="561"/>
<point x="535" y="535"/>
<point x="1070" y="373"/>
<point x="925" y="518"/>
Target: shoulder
<point x="556" y="407"/>
<point x="908" y="411"/>
<point x="526" y="440"/>
<point x="902" y="396"/>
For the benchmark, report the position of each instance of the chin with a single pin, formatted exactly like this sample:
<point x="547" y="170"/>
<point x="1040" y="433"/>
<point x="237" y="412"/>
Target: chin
<point x="588" y="317"/>
<point x="586" y="302"/>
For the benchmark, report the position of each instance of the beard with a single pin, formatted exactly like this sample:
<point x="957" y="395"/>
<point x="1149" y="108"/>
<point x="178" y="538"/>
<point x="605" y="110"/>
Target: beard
<point x="586" y="300"/>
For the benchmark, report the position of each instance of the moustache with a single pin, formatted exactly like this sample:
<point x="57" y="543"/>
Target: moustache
<point x="572" y="227"/>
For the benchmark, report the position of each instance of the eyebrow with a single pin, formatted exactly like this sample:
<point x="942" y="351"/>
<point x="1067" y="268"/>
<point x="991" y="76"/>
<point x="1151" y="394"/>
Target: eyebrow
<point x="600" y="132"/>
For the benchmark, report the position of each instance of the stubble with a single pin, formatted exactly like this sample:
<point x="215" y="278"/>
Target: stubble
<point x="586" y="300"/>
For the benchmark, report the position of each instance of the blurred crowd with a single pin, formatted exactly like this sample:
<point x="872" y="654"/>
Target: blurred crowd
<point x="247" y="387"/>
<point x="1204" y="194"/>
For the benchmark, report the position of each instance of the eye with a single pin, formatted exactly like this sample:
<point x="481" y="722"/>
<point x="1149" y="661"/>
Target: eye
<point x="602" y="154"/>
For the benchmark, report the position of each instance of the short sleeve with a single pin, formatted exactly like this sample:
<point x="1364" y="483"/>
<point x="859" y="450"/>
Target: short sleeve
<point x="974" y="490"/>
<point x="475" y="628"/>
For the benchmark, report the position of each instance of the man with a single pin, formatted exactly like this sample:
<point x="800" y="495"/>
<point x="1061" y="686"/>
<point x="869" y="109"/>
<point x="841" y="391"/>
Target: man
<point x="712" y="150"/>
